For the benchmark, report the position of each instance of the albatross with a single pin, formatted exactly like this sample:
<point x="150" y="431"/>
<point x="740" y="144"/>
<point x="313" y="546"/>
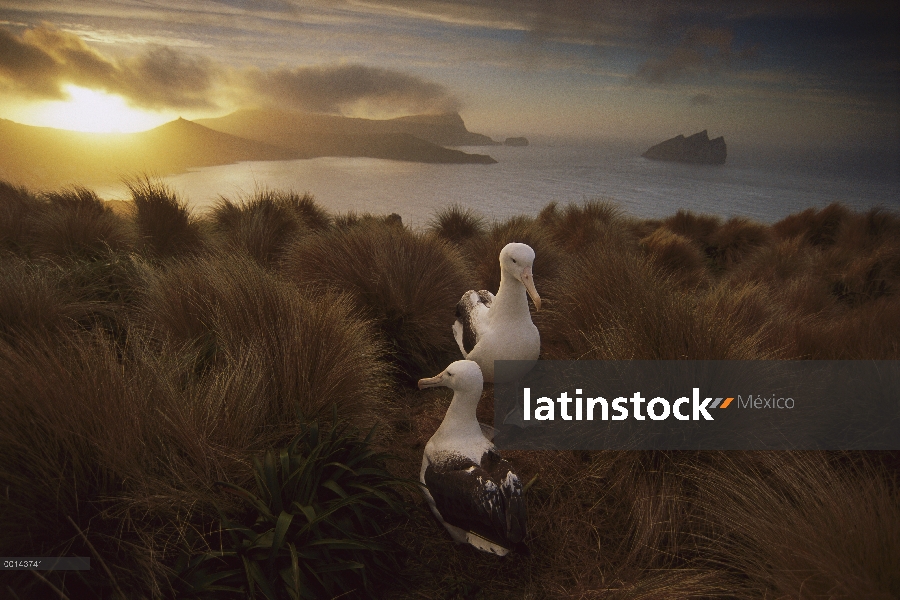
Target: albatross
<point x="490" y="327"/>
<point x="471" y="490"/>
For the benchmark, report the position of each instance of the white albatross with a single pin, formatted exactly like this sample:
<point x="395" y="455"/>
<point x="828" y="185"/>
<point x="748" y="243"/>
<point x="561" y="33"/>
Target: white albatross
<point x="471" y="490"/>
<point x="490" y="327"/>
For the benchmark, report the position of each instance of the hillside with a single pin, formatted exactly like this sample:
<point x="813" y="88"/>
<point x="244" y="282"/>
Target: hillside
<point x="305" y="130"/>
<point x="47" y="157"/>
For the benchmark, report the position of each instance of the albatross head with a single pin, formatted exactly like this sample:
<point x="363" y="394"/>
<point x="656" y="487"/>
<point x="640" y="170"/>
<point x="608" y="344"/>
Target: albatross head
<point x="461" y="376"/>
<point x="517" y="260"/>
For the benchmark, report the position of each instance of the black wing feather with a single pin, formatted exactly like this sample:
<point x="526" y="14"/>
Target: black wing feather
<point x="465" y="315"/>
<point x="485" y="501"/>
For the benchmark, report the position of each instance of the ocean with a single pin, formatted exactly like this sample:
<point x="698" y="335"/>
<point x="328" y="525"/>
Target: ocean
<point x="764" y="187"/>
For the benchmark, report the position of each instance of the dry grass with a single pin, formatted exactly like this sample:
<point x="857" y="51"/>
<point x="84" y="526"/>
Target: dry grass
<point x="799" y="525"/>
<point x="32" y="300"/>
<point x="17" y="209"/>
<point x="483" y="254"/>
<point x="164" y="224"/>
<point x="265" y="224"/>
<point x="578" y="226"/>
<point x="234" y="314"/>
<point x="77" y="224"/>
<point x="676" y="255"/>
<point x="614" y="304"/>
<point x="814" y="227"/>
<point x="129" y="385"/>
<point x="408" y="284"/>
<point x="457" y="224"/>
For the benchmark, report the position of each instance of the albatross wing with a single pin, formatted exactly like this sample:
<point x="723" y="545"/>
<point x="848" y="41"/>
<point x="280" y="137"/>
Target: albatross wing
<point x="471" y="319"/>
<point x="482" y="500"/>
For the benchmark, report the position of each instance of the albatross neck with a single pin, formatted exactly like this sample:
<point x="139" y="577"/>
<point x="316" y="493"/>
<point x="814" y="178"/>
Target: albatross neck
<point x="460" y="418"/>
<point x="511" y="298"/>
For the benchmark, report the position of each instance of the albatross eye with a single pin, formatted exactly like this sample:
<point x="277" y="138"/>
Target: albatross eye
<point x="514" y="262"/>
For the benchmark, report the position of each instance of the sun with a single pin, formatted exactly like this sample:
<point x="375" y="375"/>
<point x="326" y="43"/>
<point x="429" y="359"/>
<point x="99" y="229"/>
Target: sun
<point x="94" y="111"/>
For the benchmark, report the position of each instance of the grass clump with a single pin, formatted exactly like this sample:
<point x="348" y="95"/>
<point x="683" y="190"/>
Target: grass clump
<point x="675" y="254"/>
<point x="407" y="284"/>
<point x="267" y="223"/>
<point x="73" y="442"/>
<point x="578" y="226"/>
<point x="33" y="301"/>
<point x="457" y="224"/>
<point x="164" y="224"/>
<point x="17" y="209"/>
<point x="234" y="314"/>
<point x="484" y="253"/>
<point x="793" y="535"/>
<point x="314" y="525"/>
<point x="77" y="224"/>
<point x="613" y="305"/>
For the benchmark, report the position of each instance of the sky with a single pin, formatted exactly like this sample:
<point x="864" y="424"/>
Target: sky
<point x="799" y="74"/>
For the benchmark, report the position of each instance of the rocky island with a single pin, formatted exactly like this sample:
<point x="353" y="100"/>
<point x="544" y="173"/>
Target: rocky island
<point x="695" y="149"/>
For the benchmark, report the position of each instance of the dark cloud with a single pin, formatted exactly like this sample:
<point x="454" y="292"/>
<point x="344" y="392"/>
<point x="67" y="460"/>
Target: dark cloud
<point x="41" y="61"/>
<point x="700" y="50"/>
<point x="701" y="100"/>
<point x="164" y="77"/>
<point x="333" y="89"/>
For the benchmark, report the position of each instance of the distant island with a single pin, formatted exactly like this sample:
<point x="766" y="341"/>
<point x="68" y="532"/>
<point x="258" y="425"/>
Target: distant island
<point x="696" y="149"/>
<point x="516" y="141"/>
<point x="44" y="157"/>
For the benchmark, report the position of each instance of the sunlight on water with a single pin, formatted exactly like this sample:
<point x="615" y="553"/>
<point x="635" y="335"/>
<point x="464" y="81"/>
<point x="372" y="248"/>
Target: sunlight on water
<point x="526" y="179"/>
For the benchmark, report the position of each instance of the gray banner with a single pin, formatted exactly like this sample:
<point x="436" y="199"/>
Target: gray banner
<point x="699" y="405"/>
<point x="44" y="563"/>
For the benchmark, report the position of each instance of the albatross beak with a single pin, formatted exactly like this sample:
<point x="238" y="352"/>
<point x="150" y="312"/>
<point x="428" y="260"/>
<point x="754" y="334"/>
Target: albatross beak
<point x="430" y="382"/>
<point x="529" y="287"/>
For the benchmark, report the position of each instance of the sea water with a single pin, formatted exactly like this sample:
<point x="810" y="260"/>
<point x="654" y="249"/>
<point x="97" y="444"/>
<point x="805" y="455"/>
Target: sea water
<point x="762" y="186"/>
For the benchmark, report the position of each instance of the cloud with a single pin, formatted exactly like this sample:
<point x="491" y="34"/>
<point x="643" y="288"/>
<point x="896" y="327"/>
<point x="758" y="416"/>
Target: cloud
<point x="41" y="61"/>
<point x="701" y="100"/>
<point x="337" y="88"/>
<point x="700" y="50"/>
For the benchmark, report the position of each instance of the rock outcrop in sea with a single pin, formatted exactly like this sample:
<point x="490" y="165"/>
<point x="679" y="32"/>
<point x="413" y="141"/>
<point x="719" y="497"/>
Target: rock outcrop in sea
<point x="696" y="149"/>
<point x="516" y="141"/>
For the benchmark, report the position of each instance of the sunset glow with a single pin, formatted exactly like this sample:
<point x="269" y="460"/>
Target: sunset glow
<point x="93" y="111"/>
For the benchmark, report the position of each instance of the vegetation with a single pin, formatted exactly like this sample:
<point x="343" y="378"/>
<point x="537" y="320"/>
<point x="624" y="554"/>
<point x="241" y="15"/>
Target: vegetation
<point x="153" y="364"/>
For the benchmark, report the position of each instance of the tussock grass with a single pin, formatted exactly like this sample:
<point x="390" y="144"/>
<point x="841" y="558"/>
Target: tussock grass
<point x="234" y="314"/>
<point x="265" y="224"/>
<point x="678" y="256"/>
<point x="575" y="227"/>
<point x="484" y="253"/>
<point x="735" y="241"/>
<point x="611" y="304"/>
<point x="77" y="224"/>
<point x="352" y="219"/>
<point x="32" y="301"/>
<point x="17" y="209"/>
<point x="457" y="224"/>
<point x="699" y="228"/>
<point x="800" y="526"/>
<point x="408" y="284"/>
<point x="131" y="383"/>
<point x="814" y="227"/>
<point x="164" y="223"/>
<point x="72" y="440"/>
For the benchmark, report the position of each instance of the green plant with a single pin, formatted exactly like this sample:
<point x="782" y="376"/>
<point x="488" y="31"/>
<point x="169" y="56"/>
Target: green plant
<point x="316" y="525"/>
